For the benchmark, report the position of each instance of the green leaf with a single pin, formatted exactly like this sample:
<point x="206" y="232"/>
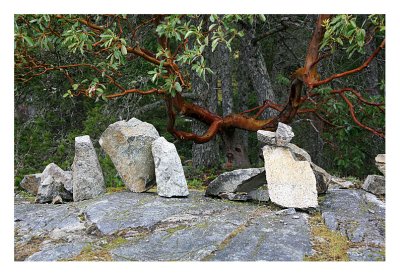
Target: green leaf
<point x="29" y="40"/>
<point x="75" y="86"/>
<point x="178" y="87"/>
<point x="123" y="50"/>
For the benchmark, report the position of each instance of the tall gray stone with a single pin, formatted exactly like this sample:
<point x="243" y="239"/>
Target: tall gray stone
<point x="170" y="177"/>
<point x="290" y="183"/>
<point x="283" y="135"/>
<point x="375" y="184"/>
<point x="129" y="146"/>
<point x="241" y="180"/>
<point x="88" y="181"/>
<point x="54" y="182"/>
<point x="31" y="183"/>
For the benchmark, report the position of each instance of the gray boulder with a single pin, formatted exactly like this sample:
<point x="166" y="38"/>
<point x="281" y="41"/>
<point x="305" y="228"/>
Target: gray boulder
<point x="260" y="194"/>
<point x="374" y="184"/>
<point x="88" y="180"/>
<point x="31" y="183"/>
<point x="129" y="146"/>
<point x="170" y="177"/>
<point x="291" y="183"/>
<point x="380" y="162"/>
<point x="283" y="134"/>
<point x="241" y="180"/>
<point x="54" y="182"/>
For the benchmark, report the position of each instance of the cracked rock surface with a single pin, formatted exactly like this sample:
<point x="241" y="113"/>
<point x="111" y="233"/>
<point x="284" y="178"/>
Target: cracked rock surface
<point x="126" y="226"/>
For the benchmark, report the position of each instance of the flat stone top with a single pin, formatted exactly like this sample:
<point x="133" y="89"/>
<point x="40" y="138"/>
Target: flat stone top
<point x="83" y="139"/>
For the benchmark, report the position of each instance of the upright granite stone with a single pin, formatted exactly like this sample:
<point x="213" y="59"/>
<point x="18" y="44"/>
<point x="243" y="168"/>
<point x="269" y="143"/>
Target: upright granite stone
<point x="54" y="182"/>
<point x="374" y="184"/>
<point x="129" y="146"/>
<point x="241" y="180"/>
<point x="170" y="177"/>
<point x="88" y="180"/>
<point x="283" y="135"/>
<point x="380" y="162"/>
<point x="31" y="183"/>
<point x="290" y="183"/>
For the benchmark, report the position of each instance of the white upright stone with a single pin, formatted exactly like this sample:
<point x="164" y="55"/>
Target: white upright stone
<point x="170" y="177"/>
<point x="87" y="176"/>
<point x="290" y="183"/>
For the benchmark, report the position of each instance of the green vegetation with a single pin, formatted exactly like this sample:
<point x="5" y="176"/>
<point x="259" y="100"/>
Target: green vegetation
<point x="329" y="245"/>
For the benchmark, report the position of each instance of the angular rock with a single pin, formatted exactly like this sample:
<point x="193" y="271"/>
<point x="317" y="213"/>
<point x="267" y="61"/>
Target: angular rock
<point x="375" y="184"/>
<point x="299" y="153"/>
<point x="50" y="188"/>
<point x="322" y="177"/>
<point x="170" y="177"/>
<point x="88" y="181"/>
<point x="266" y="137"/>
<point x="59" y="175"/>
<point x="241" y="180"/>
<point x="283" y="134"/>
<point x="31" y="183"/>
<point x="381" y="163"/>
<point x="57" y="200"/>
<point x="290" y="183"/>
<point x="129" y="146"/>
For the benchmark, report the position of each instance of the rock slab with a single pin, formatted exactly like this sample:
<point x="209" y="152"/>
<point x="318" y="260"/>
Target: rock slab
<point x="290" y="183"/>
<point x="375" y="184"/>
<point x="31" y="183"/>
<point x="88" y="181"/>
<point x="170" y="176"/>
<point x="241" y="180"/>
<point x="129" y="146"/>
<point x="380" y="162"/>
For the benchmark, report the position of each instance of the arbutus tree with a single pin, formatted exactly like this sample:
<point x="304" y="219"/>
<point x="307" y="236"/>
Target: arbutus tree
<point x="178" y="51"/>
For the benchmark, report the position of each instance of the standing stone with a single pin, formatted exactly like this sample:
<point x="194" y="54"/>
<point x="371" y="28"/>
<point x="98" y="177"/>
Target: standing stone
<point x="170" y="177"/>
<point x="290" y="183"/>
<point x="283" y="135"/>
<point x="31" y="183"/>
<point x="129" y="146"/>
<point x="381" y="163"/>
<point x="241" y="180"/>
<point x="374" y="184"/>
<point x="88" y="180"/>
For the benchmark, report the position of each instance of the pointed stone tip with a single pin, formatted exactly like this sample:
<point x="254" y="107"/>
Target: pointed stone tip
<point x="82" y="139"/>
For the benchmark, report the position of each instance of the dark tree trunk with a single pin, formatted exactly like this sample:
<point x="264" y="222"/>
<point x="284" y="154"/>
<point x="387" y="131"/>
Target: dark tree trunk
<point x="235" y="147"/>
<point x="255" y="65"/>
<point x="207" y="154"/>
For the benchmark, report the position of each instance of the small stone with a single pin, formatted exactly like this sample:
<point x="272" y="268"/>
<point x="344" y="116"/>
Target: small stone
<point x="371" y="211"/>
<point x="266" y="137"/>
<point x="295" y="217"/>
<point x="57" y="200"/>
<point x="380" y="163"/>
<point x="259" y="195"/>
<point x="31" y="183"/>
<point x="286" y="212"/>
<point x="59" y="175"/>
<point x="374" y="184"/>
<point x="283" y="135"/>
